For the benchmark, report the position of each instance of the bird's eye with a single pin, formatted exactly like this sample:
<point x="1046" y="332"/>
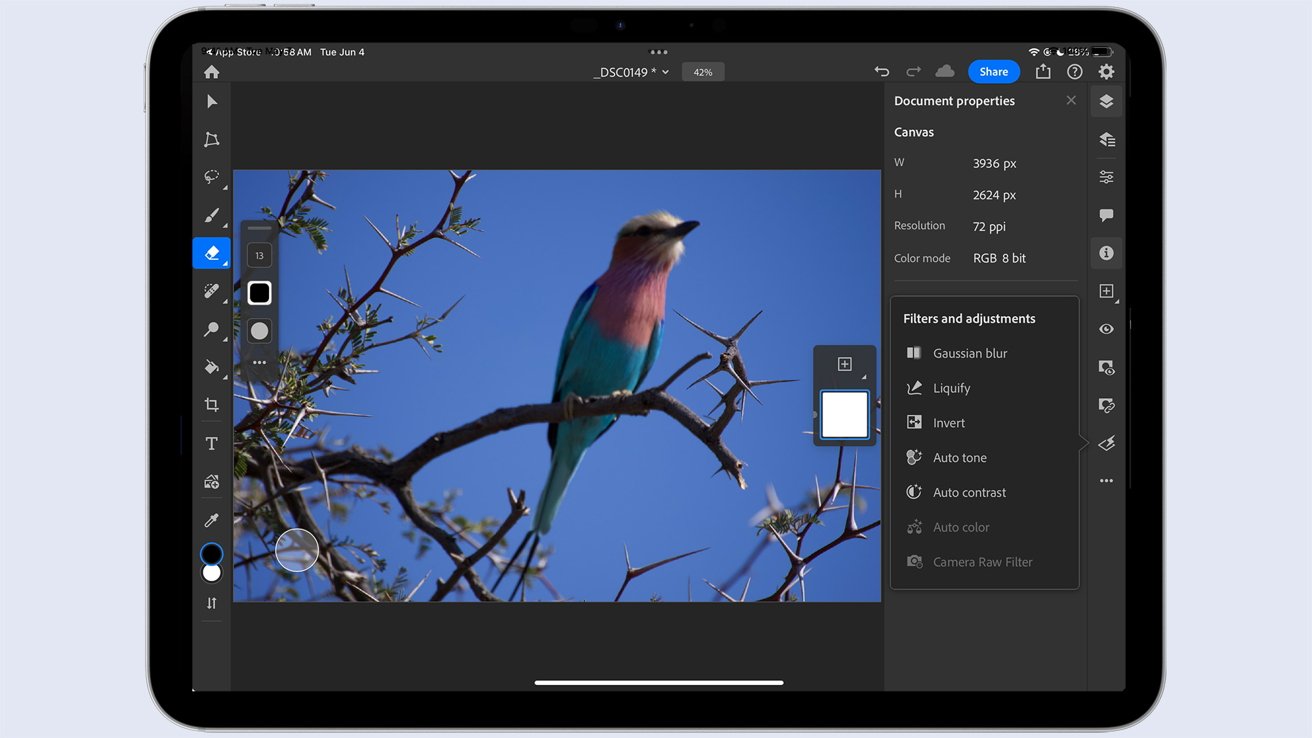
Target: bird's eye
<point x="643" y="231"/>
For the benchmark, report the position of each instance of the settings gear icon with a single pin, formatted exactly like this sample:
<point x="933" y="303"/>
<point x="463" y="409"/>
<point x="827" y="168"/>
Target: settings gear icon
<point x="1106" y="71"/>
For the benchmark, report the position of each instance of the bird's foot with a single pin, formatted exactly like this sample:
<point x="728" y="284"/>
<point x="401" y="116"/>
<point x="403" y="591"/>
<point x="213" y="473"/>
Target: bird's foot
<point x="622" y="393"/>
<point x="572" y="403"/>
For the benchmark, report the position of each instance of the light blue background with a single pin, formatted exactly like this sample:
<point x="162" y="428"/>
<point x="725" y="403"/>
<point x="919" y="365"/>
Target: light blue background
<point x="1238" y="269"/>
<point x="801" y="246"/>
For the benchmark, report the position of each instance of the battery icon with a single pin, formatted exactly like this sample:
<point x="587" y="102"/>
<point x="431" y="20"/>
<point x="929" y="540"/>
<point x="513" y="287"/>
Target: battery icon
<point x="1101" y="51"/>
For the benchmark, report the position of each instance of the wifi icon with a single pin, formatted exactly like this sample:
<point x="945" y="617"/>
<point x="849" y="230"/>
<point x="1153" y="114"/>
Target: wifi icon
<point x="1034" y="52"/>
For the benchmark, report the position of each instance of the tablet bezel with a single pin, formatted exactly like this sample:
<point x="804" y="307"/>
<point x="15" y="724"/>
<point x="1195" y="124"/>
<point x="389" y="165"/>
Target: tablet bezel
<point x="169" y="618"/>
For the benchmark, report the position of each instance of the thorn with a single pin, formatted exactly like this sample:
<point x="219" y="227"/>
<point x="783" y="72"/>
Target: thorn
<point x="742" y="382"/>
<point x="458" y="245"/>
<point x="763" y="382"/>
<point x="719" y="591"/>
<point x="717" y="338"/>
<point x="705" y="377"/>
<point x="380" y="233"/>
<point x="442" y="317"/>
<point x="386" y="291"/>
<point x="851" y="502"/>
<point x="746" y="325"/>
<point x="743" y="597"/>
<point x="627" y="565"/>
<point x="350" y="291"/>
<point x="792" y="555"/>
<point x="417" y="586"/>
<point x="644" y="569"/>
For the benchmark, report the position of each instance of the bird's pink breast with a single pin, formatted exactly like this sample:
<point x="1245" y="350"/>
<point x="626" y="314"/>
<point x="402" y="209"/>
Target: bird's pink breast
<point x="630" y="302"/>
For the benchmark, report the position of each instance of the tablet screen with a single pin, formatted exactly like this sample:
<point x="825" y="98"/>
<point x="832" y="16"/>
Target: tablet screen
<point x="741" y="366"/>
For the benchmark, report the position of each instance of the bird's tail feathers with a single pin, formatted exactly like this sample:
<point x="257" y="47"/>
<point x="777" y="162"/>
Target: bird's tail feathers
<point x="564" y="462"/>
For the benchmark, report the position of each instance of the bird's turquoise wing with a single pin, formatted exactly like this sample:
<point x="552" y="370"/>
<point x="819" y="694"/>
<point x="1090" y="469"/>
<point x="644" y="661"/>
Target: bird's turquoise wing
<point x="566" y="344"/>
<point x="653" y="348"/>
<point x="571" y="333"/>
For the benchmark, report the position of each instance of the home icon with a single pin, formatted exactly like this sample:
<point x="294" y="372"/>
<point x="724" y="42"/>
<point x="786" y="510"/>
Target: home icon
<point x="1043" y="71"/>
<point x="211" y="73"/>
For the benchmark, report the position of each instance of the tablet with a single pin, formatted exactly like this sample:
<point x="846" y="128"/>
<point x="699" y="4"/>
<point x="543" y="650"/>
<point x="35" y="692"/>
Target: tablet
<point x="655" y="369"/>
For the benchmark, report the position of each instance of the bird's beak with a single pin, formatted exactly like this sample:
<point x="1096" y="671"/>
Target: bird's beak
<point x="682" y="229"/>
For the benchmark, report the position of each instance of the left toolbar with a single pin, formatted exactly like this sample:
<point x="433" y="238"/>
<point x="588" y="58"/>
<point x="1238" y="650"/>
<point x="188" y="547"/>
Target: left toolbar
<point x="211" y="368"/>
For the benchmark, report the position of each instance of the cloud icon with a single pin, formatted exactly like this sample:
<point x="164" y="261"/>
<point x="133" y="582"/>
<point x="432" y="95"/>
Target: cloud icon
<point x="945" y="71"/>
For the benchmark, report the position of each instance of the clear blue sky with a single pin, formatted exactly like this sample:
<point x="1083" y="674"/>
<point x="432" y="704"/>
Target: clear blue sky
<point x="802" y="246"/>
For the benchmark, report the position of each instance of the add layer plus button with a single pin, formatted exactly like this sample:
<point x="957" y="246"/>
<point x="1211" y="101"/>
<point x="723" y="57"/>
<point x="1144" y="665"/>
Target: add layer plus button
<point x="994" y="71"/>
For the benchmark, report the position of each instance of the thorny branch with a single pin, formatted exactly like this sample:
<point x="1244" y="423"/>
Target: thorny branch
<point x="631" y="573"/>
<point x="290" y="397"/>
<point x="406" y="241"/>
<point x="799" y="563"/>
<point x="396" y="475"/>
<point x="518" y="509"/>
<point x="285" y="476"/>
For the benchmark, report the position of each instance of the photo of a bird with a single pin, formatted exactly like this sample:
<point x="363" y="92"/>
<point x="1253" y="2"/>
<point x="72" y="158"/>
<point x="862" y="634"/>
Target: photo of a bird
<point x="611" y="341"/>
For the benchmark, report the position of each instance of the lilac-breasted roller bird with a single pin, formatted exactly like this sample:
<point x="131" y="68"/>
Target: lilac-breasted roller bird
<point x="610" y="343"/>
